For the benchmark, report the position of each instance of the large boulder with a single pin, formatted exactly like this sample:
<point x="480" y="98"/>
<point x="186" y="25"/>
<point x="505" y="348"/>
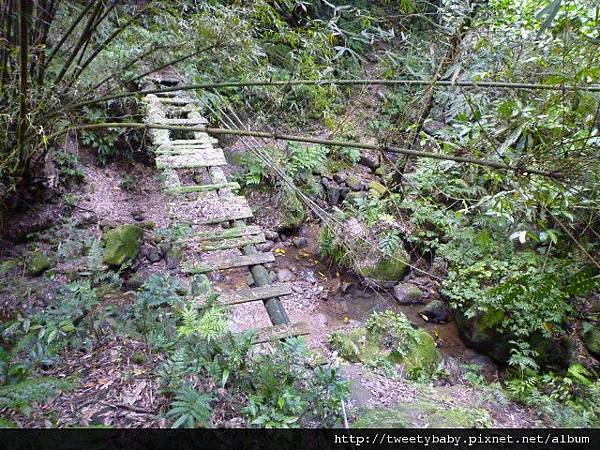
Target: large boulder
<point x="436" y="311"/>
<point x="591" y="338"/>
<point x="384" y="270"/>
<point x="122" y="244"/>
<point x="388" y="336"/>
<point x="408" y="294"/>
<point x="355" y="245"/>
<point x="480" y="333"/>
<point x="37" y="263"/>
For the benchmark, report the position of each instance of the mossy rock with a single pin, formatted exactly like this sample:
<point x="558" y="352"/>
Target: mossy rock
<point x="591" y="338"/>
<point x="354" y="198"/>
<point x="377" y="189"/>
<point x="7" y="265"/>
<point x="122" y="244"/>
<point x="388" y="336"/>
<point x="422" y="413"/>
<point x="353" y="345"/>
<point x="388" y="269"/>
<point x="293" y="212"/>
<point x="37" y="263"/>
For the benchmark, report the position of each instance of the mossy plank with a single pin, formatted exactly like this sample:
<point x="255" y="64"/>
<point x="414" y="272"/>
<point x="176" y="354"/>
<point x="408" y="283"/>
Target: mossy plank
<point x="233" y="243"/>
<point x="203" y="188"/>
<point x="280" y="332"/>
<point x="230" y="263"/>
<point x="189" y="121"/>
<point x="254" y="294"/>
<point x="178" y="101"/>
<point x="205" y="141"/>
<point x="192" y="161"/>
<point x="227" y="233"/>
<point x="168" y="150"/>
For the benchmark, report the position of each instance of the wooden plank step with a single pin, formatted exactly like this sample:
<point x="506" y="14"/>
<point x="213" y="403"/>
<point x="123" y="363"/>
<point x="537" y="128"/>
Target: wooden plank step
<point x="237" y="215"/>
<point x="203" y="188"/>
<point x="230" y="263"/>
<point x="208" y="209"/>
<point x="189" y="121"/>
<point x="253" y="294"/>
<point x="184" y="149"/>
<point x="279" y="332"/>
<point x="214" y="157"/>
<point x="178" y="101"/>
<point x="191" y="141"/>
<point x="227" y="233"/>
<point x="231" y="243"/>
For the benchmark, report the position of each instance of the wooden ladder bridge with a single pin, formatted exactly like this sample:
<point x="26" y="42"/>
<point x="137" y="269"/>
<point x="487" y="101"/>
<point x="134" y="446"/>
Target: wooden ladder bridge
<point x="222" y="236"/>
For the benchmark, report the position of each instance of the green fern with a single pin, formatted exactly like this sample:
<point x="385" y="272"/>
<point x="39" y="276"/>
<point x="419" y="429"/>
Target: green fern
<point x="20" y="396"/>
<point x="388" y="243"/>
<point x="209" y="325"/>
<point x="190" y="408"/>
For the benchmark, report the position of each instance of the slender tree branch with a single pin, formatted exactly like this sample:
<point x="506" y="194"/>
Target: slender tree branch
<point x="83" y="38"/>
<point x="296" y="138"/>
<point x="398" y="82"/>
<point x="173" y="62"/>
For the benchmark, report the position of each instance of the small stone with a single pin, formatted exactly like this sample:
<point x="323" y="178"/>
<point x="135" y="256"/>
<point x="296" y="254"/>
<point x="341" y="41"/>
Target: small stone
<point x="86" y="219"/>
<point x="369" y="159"/>
<point x="272" y="276"/>
<point x="217" y="276"/>
<point x="154" y="255"/>
<point x="354" y="183"/>
<point x="433" y="126"/>
<point x="407" y="293"/>
<point x="377" y="189"/>
<point x="174" y="257"/>
<point x="165" y="246"/>
<point x="271" y="235"/>
<point x="300" y="242"/>
<point x="285" y="275"/>
<point x="249" y="279"/>
<point x="321" y="320"/>
<point x="436" y="311"/>
<point x="355" y="197"/>
<point x="340" y="177"/>
<point x="266" y="246"/>
<point x="334" y="194"/>
<point x="309" y="276"/>
<point x="138" y="215"/>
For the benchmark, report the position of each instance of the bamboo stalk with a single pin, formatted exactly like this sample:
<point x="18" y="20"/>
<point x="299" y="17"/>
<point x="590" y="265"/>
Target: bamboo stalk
<point x="68" y="33"/>
<point x="127" y="66"/>
<point x="83" y="38"/>
<point x="103" y="45"/>
<point x="5" y="60"/>
<point x="344" y="82"/>
<point x="173" y="62"/>
<point x="296" y="138"/>
<point x="23" y="88"/>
